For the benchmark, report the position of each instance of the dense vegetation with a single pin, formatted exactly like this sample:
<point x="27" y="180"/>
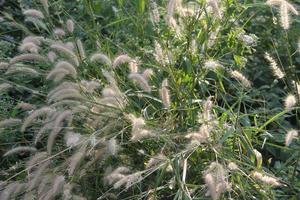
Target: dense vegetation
<point x="149" y="99"/>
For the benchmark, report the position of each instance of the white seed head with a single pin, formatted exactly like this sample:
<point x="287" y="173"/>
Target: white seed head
<point x="33" y="13"/>
<point x="290" y="101"/>
<point x="70" y="26"/>
<point x="99" y="57"/>
<point x="240" y="77"/>
<point x="290" y="136"/>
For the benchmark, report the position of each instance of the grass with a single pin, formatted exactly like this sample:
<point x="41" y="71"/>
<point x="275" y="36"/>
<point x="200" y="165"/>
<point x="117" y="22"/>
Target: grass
<point x="214" y="118"/>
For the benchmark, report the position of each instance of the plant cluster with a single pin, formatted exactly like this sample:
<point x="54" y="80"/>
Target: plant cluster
<point x="148" y="100"/>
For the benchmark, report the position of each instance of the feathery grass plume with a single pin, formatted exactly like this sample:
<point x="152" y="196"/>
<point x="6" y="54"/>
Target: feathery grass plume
<point x="213" y="37"/>
<point x="266" y="179"/>
<point x="112" y="146"/>
<point x="64" y="85"/>
<point x="297" y="87"/>
<point x="290" y="101"/>
<point x="68" y="95"/>
<point x="29" y="47"/>
<point x="285" y="9"/>
<point x="80" y="49"/>
<point x="19" y="150"/>
<point x="37" y="40"/>
<point x="291" y="134"/>
<point x="70" y="25"/>
<point x="75" y="160"/>
<point x="121" y="59"/>
<point x="35" y="114"/>
<point x="206" y="116"/>
<point x="42" y="130"/>
<point x="68" y="67"/>
<point x="165" y="94"/>
<point x="11" y="190"/>
<point x="33" y="13"/>
<point x="57" y="74"/>
<point x="90" y="86"/>
<point x="212" y="65"/>
<point x="117" y="174"/>
<point x="64" y="93"/>
<point x="22" y="70"/>
<point x="70" y="45"/>
<point x="57" y="127"/>
<point x="72" y="139"/>
<point x="171" y="7"/>
<point x="154" y="13"/>
<point x="133" y="66"/>
<point x="211" y="185"/>
<point x="51" y="56"/>
<point x="199" y="137"/>
<point x="128" y="180"/>
<point x="102" y="58"/>
<point x="45" y="184"/>
<point x="154" y="161"/>
<point x="147" y="73"/>
<point x="140" y="80"/>
<point x="215" y="179"/>
<point x="36" y="159"/>
<point x="284" y="16"/>
<point x="58" y="32"/>
<point x="276" y="70"/>
<point x="159" y="55"/>
<point x="25" y="106"/>
<point x="45" y="5"/>
<point x="9" y="122"/>
<point x="241" y="78"/>
<point x="113" y="96"/>
<point x="67" y="52"/>
<point x="56" y="189"/>
<point x="232" y="166"/>
<point x="4" y="87"/>
<point x="27" y="57"/>
<point x="214" y="8"/>
<point x="139" y="130"/>
<point x="258" y="157"/>
<point x="3" y="65"/>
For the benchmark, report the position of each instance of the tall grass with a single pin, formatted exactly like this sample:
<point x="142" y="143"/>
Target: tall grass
<point x="149" y="100"/>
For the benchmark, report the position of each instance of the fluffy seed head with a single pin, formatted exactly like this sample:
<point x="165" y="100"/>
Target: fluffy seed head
<point x="3" y="65"/>
<point x="165" y="94"/>
<point x="33" y="13"/>
<point x="276" y="70"/>
<point x="27" y="57"/>
<point x="291" y="134"/>
<point x="99" y="57"/>
<point x="9" y="122"/>
<point x="67" y="52"/>
<point x="4" y="87"/>
<point x="20" y="149"/>
<point x="22" y="70"/>
<point x="58" y="32"/>
<point x="81" y="49"/>
<point x="29" y="47"/>
<point x="240" y="77"/>
<point x="232" y="166"/>
<point x="121" y="59"/>
<point x="45" y="5"/>
<point x="35" y="114"/>
<point x="70" y="26"/>
<point x="290" y="101"/>
<point x="141" y="81"/>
